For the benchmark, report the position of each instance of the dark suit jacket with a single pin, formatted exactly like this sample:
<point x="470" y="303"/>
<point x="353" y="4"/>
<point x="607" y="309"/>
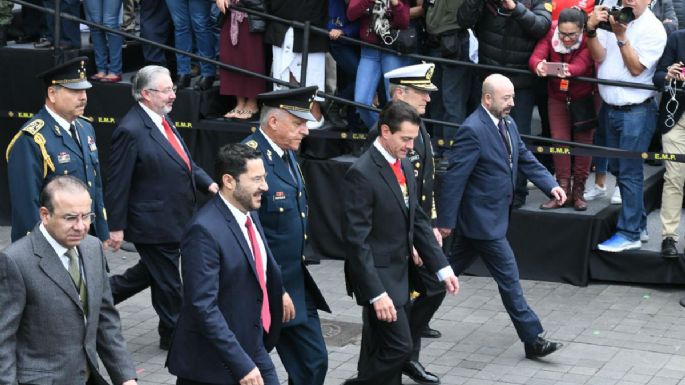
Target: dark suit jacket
<point x="674" y="52"/>
<point x="219" y="329"/>
<point x="43" y="337"/>
<point x="151" y="194"/>
<point x="284" y="216"/>
<point x="477" y="189"/>
<point x="379" y="230"/>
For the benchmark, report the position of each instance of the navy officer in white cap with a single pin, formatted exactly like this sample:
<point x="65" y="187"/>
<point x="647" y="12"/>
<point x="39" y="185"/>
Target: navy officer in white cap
<point x="57" y="140"/>
<point x="412" y="85"/>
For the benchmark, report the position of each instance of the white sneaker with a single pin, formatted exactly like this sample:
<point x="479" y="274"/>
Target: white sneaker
<point x="594" y="192"/>
<point x="644" y="236"/>
<point x="616" y="197"/>
<point x="315" y="124"/>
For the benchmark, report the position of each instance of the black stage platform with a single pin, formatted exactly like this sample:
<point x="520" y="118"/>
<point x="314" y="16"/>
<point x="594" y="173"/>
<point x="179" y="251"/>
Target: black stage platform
<point x="550" y="246"/>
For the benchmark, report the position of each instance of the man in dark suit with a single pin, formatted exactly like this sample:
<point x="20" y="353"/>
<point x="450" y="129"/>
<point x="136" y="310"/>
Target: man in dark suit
<point x="232" y="284"/>
<point x="476" y="196"/>
<point x="412" y="85"/>
<point x="57" y="313"/>
<point x="55" y="141"/>
<point x="151" y="193"/>
<point x="382" y="223"/>
<point x="284" y="215"/>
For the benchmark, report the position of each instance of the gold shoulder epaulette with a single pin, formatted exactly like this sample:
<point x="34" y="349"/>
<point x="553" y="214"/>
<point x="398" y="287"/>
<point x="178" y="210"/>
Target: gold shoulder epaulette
<point x="32" y="128"/>
<point x="89" y="119"/>
<point x="47" y="162"/>
<point x="252" y="143"/>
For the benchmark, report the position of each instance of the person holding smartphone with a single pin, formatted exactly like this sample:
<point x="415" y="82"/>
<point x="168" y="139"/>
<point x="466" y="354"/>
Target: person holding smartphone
<point x="561" y="54"/>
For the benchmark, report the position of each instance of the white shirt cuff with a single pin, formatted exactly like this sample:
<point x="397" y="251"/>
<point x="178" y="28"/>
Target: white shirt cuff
<point x="374" y="299"/>
<point x="445" y="272"/>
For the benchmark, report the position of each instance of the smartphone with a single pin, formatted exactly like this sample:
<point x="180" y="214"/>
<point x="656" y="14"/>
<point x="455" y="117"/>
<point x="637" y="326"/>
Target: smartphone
<point x="555" y="69"/>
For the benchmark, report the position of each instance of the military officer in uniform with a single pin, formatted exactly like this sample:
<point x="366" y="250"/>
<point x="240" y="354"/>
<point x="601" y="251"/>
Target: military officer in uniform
<point x="413" y="85"/>
<point x="283" y="214"/>
<point x="56" y="141"/>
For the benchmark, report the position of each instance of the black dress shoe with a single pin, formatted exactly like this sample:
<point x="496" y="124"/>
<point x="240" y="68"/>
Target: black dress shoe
<point x="183" y="81"/>
<point x="165" y="342"/>
<point x="541" y="347"/>
<point x="416" y="371"/>
<point x="204" y="83"/>
<point x="518" y="202"/>
<point x="427" y="332"/>
<point x="668" y="249"/>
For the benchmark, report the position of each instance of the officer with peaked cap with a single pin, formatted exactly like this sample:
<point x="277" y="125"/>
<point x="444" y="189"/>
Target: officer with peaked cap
<point x="55" y="141"/>
<point x="284" y="217"/>
<point x="413" y="85"/>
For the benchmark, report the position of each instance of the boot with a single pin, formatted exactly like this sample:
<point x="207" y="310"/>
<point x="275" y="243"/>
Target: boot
<point x="3" y="35"/>
<point x="565" y="184"/>
<point x="579" y="204"/>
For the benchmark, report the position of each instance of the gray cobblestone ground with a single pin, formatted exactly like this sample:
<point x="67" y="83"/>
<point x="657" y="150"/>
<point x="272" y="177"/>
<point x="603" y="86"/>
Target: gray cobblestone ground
<point x="614" y="334"/>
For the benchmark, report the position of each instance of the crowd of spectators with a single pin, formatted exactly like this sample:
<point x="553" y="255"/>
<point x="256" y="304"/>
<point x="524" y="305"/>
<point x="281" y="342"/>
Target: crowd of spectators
<point x="514" y="34"/>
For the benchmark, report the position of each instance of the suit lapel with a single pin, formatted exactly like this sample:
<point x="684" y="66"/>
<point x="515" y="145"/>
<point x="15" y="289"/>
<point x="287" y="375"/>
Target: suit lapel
<point x="52" y="266"/>
<point x="58" y="130"/>
<point x="90" y="268"/>
<point x="236" y="230"/>
<point x="160" y="139"/>
<point x="274" y="161"/>
<point x="389" y="177"/>
<point x="493" y="134"/>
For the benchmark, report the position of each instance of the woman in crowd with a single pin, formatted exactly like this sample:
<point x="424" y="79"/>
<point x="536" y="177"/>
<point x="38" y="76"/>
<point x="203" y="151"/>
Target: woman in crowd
<point x="564" y="43"/>
<point x="106" y="46"/>
<point x="241" y="45"/>
<point x="373" y="62"/>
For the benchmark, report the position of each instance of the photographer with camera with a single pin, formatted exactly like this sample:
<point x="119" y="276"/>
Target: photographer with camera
<point x="627" y="52"/>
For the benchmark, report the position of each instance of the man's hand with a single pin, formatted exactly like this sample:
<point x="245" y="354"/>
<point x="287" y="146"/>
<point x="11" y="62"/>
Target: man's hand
<point x="213" y="188"/>
<point x="222" y="5"/>
<point x="452" y="284"/>
<point x="252" y="378"/>
<point x="130" y="382"/>
<point x="288" y="308"/>
<point x="619" y="29"/>
<point x="598" y="15"/>
<point x="115" y="239"/>
<point x="415" y="257"/>
<point x="559" y="195"/>
<point x="438" y="236"/>
<point x="444" y="232"/>
<point x="385" y="309"/>
<point x="675" y="71"/>
<point x="509" y="5"/>
<point x="334" y="34"/>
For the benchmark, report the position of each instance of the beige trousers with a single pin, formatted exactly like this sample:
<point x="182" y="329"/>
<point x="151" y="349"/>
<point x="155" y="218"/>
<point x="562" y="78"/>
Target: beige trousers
<point x="674" y="179"/>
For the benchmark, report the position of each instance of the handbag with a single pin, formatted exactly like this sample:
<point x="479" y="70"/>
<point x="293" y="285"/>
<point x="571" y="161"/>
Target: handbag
<point x="582" y="111"/>
<point x="450" y="44"/>
<point x="407" y="40"/>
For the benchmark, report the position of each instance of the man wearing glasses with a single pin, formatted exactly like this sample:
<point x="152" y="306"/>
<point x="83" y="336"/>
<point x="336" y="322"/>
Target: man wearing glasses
<point x="56" y="141"/>
<point x="57" y="314"/>
<point x="151" y="194"/>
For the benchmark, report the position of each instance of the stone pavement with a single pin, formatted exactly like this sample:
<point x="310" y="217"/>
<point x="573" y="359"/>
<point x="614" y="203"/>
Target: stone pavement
<point x="614" y="334"/>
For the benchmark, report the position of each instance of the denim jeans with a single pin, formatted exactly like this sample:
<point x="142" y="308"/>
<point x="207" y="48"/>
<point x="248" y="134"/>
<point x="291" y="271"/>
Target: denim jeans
<point x="372" y="65"/>
<point x="70" y="31"/>
<point x="192" y="17"/>
<point x="155" y="25"/>
<point x="601" y="164"/>
<point x="106" y="46"/>
<point x="346" y="58"/>
<point x="522" y="113"/>
<point x="632" y="131"/>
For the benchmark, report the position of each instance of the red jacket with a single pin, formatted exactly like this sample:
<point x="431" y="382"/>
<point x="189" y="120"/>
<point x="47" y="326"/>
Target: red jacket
<point x="358" y="9"/>
<point x="579" y="61"/>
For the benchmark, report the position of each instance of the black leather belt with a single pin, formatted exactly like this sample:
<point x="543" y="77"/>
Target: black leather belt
<point x="629" y="107"/>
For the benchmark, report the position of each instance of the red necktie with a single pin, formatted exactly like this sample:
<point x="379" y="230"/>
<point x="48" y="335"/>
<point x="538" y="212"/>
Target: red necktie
<point x="397" y="170"/>
<point x="259" y="266"/>
<point x="174" y="142"/>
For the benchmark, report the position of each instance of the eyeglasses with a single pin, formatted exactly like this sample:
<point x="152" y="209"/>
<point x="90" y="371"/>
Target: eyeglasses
<point x="568" y="35"/>
<point x="165" y="91"/>
<point x="74" y="218"/>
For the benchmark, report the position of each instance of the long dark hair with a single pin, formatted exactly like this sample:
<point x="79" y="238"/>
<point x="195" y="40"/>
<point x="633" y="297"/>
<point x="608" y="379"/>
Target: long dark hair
<point x="573" y="15"/>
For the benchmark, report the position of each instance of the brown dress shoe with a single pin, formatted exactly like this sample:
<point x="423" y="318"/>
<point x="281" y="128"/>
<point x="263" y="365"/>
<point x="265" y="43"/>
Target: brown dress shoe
<point x="579" y="204"/>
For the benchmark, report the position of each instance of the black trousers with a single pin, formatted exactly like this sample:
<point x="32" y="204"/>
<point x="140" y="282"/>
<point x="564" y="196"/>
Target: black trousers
<point x="158" y="269"/>
<point x="155" y="25"/>
<point x="432" y="293"/>
<point x="386" y="346"/>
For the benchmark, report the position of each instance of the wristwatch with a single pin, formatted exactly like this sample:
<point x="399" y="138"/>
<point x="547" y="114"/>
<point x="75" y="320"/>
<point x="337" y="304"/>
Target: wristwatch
<point x="591" y="33"/>
<point x="621" y="43"/>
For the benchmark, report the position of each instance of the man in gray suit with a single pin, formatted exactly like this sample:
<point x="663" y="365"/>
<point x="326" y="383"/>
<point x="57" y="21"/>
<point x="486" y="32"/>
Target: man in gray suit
<point x="57" y="314"/>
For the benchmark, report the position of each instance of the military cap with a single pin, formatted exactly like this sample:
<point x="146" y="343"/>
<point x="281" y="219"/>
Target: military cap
<point x="71" y="74"/>
<point x="297" y="101"/>
<point x="416" y="76"/>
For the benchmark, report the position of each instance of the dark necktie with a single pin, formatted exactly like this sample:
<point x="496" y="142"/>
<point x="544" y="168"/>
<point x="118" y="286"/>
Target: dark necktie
<point x="505" y="135"/>
<point x="259" y="267"/>
<point x="286" y="160"/>
<point x="75" y="273"/>
<point x="72" y="131"/>
<point x="174" y="142"/>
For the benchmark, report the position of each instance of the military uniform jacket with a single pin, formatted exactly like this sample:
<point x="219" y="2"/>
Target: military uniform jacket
<point x="42" y="150"/>
<point x="283" y="214"/>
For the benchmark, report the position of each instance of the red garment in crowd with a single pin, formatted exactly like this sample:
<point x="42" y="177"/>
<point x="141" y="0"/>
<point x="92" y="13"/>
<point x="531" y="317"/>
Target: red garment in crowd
<point x="560" y="5"/>
<point x="247" y="54"/>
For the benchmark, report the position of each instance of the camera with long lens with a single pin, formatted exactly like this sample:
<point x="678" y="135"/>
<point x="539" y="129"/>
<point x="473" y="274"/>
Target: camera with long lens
<point x="621" y="14"/>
